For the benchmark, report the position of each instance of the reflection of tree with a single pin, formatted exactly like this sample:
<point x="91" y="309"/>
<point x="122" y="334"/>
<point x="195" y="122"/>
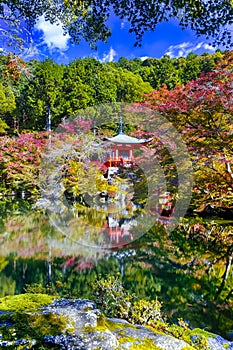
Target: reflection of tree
<point x="185" y="268"/>
<point x="7" y="285"/>
<point x="189" y="268"/>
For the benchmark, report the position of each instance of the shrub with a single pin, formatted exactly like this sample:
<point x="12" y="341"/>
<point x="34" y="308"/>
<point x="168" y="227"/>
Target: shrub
<point x="111" y="297"/>
<point x="115" y="301"/>
<point x="146" y="312"/>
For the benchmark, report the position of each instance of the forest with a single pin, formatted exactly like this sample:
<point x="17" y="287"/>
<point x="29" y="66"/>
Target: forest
<point x="194" y="94"/>
<point x="29" y="89"/>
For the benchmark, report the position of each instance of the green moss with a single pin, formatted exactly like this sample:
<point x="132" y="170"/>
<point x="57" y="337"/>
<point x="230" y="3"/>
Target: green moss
<point x="147" y="343"/>
<point x="137" y="343"/>
<point x="196" y="338"/>
<point x="103" y="324"/>
<point x="33" y="326"/>
<point x="202" y="332"/>
<point x="114" y="326"/>
<point x="200" y="338"/>
<point x="25" y="302"/>
<point x="158" y="327"/>
<point x="38" y="325"/>
<point x="24" y="321"/>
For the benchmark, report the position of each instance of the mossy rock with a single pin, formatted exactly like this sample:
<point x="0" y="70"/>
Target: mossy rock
<point x="139" y="344"/>
<point x="34" y="321"/>
<point x="24" y="319"/>
<point x="133" y="337"/>
<point x="25" y="302"/>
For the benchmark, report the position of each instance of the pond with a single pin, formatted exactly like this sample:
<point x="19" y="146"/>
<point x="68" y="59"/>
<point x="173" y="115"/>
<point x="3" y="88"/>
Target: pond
<point x="185" y="268"/>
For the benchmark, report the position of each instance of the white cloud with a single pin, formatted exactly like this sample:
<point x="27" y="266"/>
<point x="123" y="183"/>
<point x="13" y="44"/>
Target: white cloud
<point x="31" y="52"/>
<point x="209" y="47"/>
<point x="53" y="34"/>
<point x="109" y="57"/>
<point x="183" y="49"/>
<point x="143" y="58"/>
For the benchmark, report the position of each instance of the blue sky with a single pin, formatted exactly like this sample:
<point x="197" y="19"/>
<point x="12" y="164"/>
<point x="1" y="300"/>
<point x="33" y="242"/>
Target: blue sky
<point x="168" y="38"/>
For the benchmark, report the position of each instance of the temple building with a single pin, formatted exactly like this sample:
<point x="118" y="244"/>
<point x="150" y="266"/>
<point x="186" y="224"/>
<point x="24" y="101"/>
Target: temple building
<point x="122" y="148"/>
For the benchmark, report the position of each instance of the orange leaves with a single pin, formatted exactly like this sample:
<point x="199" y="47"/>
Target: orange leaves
<point x="15" y="67"/>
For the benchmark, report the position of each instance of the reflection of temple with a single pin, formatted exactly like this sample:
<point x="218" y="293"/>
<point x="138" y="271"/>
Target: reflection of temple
<point x="166" y="208"/>
<point x="121" y="214"/>
<point x="119" y="226"/>
<point x="119" y="229"/>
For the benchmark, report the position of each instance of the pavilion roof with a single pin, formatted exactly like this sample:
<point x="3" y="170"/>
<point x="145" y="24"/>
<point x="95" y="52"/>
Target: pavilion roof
<point x="123" y="138"/>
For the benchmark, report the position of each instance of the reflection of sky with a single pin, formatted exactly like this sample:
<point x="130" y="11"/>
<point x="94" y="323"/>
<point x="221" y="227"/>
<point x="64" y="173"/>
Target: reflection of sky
<point x="49" y="41"/>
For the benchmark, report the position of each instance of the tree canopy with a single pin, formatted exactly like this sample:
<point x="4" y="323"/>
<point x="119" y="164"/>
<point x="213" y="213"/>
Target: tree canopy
<point x="202" y="111"/>
<point x="33" y="88"/>
<point x="88" y="19"/>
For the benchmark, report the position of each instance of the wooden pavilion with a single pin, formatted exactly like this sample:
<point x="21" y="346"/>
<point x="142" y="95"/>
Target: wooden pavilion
<point x="122" y="148"/>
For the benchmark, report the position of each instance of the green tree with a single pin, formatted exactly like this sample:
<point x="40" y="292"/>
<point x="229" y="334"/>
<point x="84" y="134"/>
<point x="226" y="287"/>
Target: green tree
<point x="160" y="71"/>
<point x="167" y="72"/>
<point x="130" y="86"/>
<point x="42" y="94"/>
<point x="7" y="99"/>
<point x="7" y="105"/>
<point x="97" y="77"/>
<point x="75" y="93"/>
<point x="148" y="74"/>
<point x="192" y="68"/>
<point x="132" y="65"/>
<point x="208" y="61"/>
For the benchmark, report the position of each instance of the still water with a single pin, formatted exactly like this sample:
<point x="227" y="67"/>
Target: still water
<point x="182" y="274"/>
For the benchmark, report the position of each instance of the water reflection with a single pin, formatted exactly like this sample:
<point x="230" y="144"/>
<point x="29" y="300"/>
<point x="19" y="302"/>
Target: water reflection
<point x="28" y="233"/>
<point x="33" y="251"/>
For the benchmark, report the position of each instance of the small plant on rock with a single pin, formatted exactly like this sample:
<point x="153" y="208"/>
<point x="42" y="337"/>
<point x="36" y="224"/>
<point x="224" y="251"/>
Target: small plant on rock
<point x="111" y="297"/>
<point x="146" y="312"/>
<point x="115" y="301"/>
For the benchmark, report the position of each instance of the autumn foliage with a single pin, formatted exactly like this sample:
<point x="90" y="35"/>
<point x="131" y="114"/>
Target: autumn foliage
<point x="202" y="111"/>
<point x="20" y="162"/>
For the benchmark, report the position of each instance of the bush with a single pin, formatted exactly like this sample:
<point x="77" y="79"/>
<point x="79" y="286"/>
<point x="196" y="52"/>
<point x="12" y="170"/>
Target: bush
<point x="111" y="297"/>
<point x="115" y="301"/>
<point x="146" y="312"/>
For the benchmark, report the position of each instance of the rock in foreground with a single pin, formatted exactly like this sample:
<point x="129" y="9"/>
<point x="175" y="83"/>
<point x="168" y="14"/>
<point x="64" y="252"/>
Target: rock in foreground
<point x="78" y="324"/>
